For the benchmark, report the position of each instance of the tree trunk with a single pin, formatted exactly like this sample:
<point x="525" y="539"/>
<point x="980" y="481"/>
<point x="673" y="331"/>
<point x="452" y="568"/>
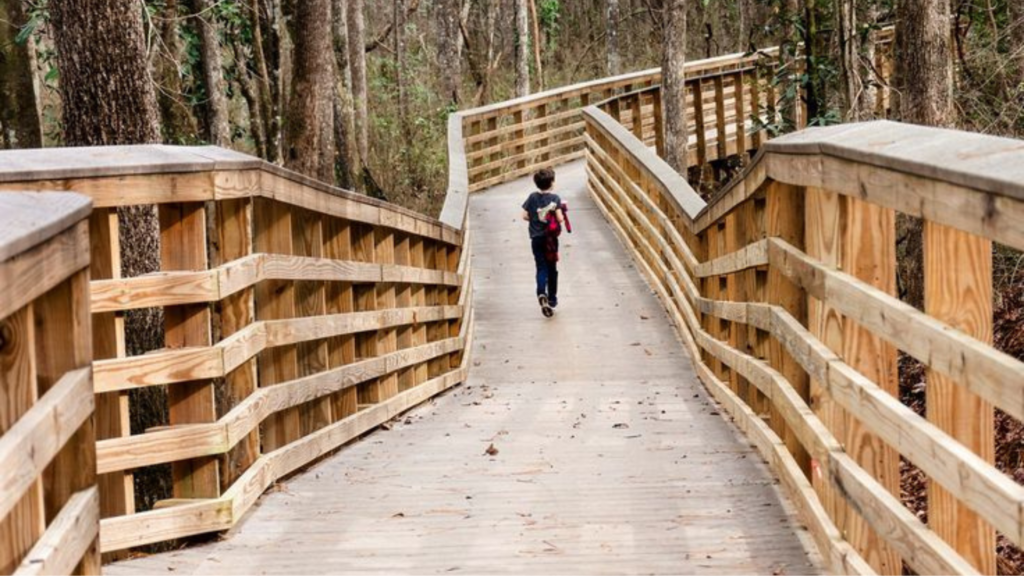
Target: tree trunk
<point x="176" y="120"/>
<point x="19" y="110"/>
<point x="108" y="99"/>
<point x="271" y="126"/>
<point x="788" y="60"/>
<point x="357" y="66"/>
<point x="924" y="79"/>
<point x="398" y="23"/>
<point x="522" y="48"/>
<point x="614" y="65"/>
<point x="217" y="118"/>
<point x="344" y="115"/>
<point x="673" y="84"/>
<point x="1016" y="13"/>
<point x="538" y="68"/>
<point x="250" y="93"/>
<point x="449" y="39"/>
<point x="309" y="132"/>
<point x="924" y="65"/>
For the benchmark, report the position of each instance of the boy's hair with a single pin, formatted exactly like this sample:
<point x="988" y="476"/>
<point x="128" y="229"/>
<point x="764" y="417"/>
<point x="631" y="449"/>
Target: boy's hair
<point x="544" y="178"/>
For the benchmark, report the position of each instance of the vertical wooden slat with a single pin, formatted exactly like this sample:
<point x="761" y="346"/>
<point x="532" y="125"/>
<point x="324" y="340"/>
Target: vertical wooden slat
<point x="310" y="300"/>
<point x="869" y="253"/>
<point x="275" y="300"/>
<point x="237" y="311"/>
<point x="25" y="522"/>
<point x="723" y="138"/>
<point x="635" y="106"/>
<point x="517" y="136"/>
<point x="365" y="296"/>
<point x="541" y="111"/>
<point x="117" y="489"/>
<point x="755" y="107"/>
<point x="698" y="122"/>
<point x="387" y="339"/>
<point x="63" y="341"/>
<point x="738" y="290"/>
<point x="858" y="238"/>
<point x="741" y="112"/>
<point x="341" y="300"/>
<point x="958" y="291"/>
<point x="784" y="218"/>
<point x="183" y="247"/>
<point x="659" y="125"/>
<point x="417" y="258"/>
<point x="823" y="219"/>
<point x="403" y="299"/>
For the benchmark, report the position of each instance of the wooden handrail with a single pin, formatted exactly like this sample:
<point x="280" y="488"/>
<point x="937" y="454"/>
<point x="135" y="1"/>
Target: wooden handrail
<point x="308" y="317"/>
<point x="49" y="504"/>
<point x="782" y="289"/>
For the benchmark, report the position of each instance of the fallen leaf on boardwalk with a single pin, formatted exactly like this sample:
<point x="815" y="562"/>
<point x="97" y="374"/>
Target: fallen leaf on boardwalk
<point x="779" y="571"/>
<point x="620" y="425"/>
<point x="635" y="344"/>
<point x="398" y="515"/>
<point x="386" y="426"/>
<point x="491" y="450"/>
<point x="642" y="317"/>
<point x="648" y="352"/>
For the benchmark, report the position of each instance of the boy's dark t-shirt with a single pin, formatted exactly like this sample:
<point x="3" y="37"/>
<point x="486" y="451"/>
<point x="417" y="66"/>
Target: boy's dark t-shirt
<point x="537" y="201"/>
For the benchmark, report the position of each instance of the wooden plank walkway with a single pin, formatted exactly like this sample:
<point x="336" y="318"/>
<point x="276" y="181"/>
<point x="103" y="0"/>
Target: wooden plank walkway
<point x="610" y="456"/>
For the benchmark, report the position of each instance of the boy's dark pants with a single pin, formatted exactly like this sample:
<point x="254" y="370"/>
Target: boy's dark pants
<point x="547" y="271"/>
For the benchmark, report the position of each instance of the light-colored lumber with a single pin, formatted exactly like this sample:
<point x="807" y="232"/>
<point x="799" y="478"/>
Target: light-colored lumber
<point x="958" y="292"/>
<point x="70" y="535"/>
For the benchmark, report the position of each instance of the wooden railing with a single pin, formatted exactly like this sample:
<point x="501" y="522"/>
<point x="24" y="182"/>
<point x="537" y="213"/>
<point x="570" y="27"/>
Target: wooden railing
<point x="782" y="289"/>
<point x="493" y="144"/>
<point x="49" y="503"/>
<point x="296" y="317"/>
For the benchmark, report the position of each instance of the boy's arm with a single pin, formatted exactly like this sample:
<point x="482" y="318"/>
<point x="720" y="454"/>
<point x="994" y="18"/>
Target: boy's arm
<point x="560" y="216"/>
<point x="526" y="215"/>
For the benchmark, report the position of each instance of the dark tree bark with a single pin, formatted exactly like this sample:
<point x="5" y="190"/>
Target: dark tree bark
<point x="267" y="58"/>
<point x="522" y="48"/>
<point x="344" y="115"/>
<point x="357" y="67"/>
<point x="309" y="132"/>
<point x="217" y="118"/>
<point x="19" y="110"/>
<point x="1016" y="13"/>
<point x="611" y="36"/>
<point x="176" y="120"/>
<point x="673" y="84"/>
<point x="250" y="92"/>
<point x="108" y="99"/>
<point x="924" y="95"/>
<point x="449" y="59"/>
<point x="924" y="64"/>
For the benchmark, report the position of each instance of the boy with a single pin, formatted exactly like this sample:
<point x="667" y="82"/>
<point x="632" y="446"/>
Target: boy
<point x="544" y="213"/>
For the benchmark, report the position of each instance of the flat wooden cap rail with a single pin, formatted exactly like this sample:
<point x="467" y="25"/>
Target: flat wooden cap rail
<point x="49" y="502"/>
<point x="783" y="289"/>
<point x="296" y="317"/>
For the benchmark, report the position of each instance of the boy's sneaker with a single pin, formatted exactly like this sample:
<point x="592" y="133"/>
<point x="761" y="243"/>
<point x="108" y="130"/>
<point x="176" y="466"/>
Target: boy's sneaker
<point x="545" y="307"/>
<point x="553" y="302"/>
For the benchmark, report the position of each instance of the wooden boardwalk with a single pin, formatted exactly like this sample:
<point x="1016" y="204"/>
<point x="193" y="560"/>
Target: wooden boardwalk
<point x="610" y="457"/>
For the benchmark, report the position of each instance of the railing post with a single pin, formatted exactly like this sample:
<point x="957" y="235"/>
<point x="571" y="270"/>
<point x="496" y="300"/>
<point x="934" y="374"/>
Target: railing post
<point x="275" y="300"/>
<point x="784" y="218"/>
<point x="183" y="229"/>
<point x="659" y="125"/>
<point x="341" y="300"/>
<point x="117" y="489"/>
<point x="722" y="138"/>
<point x="237" y="311"/>
<point x="860" y="239"/>
<point x="958" y="291"/>
<point x="310" y="300"/>
<point x="741" y="114"/>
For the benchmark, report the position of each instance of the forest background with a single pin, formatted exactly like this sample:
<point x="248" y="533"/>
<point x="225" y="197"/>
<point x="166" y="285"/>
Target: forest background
<point x="357" y="92"/>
